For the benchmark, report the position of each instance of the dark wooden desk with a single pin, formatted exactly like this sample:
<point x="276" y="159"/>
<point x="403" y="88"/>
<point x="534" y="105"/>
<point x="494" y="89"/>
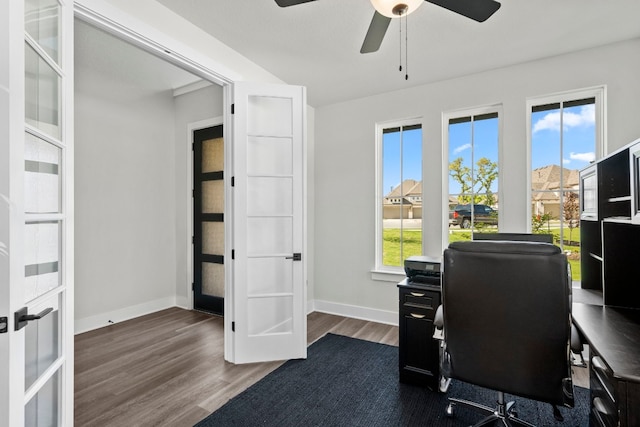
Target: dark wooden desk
<point x="613" y="336"/>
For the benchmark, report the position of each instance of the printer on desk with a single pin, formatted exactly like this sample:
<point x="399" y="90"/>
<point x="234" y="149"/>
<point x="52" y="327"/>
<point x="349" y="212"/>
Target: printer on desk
<point x="422" y="269"/>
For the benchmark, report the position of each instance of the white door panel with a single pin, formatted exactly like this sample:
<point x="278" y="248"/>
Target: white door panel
<point x="36" y="200"/>
<point x="269" y="286"/>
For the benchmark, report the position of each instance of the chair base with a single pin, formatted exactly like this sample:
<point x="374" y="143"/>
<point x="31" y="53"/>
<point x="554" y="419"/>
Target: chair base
<point x="503" y="413"/>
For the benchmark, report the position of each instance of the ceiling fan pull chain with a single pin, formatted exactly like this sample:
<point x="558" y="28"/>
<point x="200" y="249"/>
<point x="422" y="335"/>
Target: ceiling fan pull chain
<point x="406" y="47"/>
<point x="400" y="49"/>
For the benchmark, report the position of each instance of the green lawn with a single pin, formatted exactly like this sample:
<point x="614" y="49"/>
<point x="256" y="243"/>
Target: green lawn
<point x="391" y="245"/>
<point x="413" y="246"/>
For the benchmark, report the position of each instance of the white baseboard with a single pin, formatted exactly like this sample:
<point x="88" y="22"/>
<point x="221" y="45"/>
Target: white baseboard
<point x="356" y="312"/>
<point x="105" y="319"/>
<point x="183" y="302"/>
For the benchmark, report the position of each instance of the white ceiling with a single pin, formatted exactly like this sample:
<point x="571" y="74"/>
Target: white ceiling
<point x="317" y="44"/>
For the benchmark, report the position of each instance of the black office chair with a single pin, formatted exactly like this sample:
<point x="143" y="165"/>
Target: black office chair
<point x="576" y="341"/>
<point x="506" y="312"/>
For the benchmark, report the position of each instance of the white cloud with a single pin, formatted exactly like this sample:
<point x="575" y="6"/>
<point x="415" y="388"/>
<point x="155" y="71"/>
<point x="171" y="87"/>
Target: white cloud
<point x="566" y="161"/>
<point x="585" y="157"/>
<point x="460" y="149"/>
<point x="551" y="121"/>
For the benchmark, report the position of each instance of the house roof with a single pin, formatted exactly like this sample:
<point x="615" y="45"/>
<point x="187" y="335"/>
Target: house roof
<point x="405" y="188"/>
<point x="548" y="178"/>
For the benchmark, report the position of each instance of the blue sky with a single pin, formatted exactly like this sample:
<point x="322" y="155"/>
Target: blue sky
<point x="411" y="158"/>
<point x="578" y="137"/>
<point x="577" y="151"/>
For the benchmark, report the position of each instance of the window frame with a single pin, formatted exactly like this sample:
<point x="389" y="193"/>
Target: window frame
<point x="600" y="95"/>
<point x="455" y="114"/>
<point x="380" y="271"/>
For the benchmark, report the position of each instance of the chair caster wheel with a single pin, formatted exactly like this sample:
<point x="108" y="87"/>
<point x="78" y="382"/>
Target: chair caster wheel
<point x="449" y="410"/>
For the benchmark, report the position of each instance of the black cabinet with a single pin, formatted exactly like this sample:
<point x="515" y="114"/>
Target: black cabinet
<point x="621" y="268"/>
<point x="418" y="350"/>
<point x="614" y="185"/>
<point x="591" y="255"/>
<point x="610" y="235"/>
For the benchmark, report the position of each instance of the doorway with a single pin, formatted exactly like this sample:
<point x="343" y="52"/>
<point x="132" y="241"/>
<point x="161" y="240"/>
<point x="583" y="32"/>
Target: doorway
<point x="208" y="220"/>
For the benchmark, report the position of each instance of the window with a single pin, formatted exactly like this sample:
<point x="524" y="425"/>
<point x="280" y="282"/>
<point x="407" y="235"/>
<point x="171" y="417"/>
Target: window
<point x="564" y="138"/>
<point x="473" y="172"/>
<point x="399" y="194"/>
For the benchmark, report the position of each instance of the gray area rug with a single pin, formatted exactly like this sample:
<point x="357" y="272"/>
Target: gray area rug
<point x="351" y="382"/>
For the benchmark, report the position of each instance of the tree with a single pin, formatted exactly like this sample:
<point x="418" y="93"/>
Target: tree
<point x="571" y="211"/>
<point x="486" y="174"/>
<point x="462" y="175"/>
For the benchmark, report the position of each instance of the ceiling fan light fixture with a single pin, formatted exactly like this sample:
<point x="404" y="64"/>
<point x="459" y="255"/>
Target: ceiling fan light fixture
<point x="396" y="8"/>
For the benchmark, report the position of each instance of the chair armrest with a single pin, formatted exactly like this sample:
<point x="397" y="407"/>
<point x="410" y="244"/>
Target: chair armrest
<point x="576" y="348"/>
<point x="576" y="342"/>
<point x="438" y="322"/>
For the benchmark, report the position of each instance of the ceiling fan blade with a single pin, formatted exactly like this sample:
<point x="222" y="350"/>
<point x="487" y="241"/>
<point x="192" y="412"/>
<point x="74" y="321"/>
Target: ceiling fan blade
<point x="287" y="3"/>
<point x="478" y="10"/>
<point x="375" y="34"/>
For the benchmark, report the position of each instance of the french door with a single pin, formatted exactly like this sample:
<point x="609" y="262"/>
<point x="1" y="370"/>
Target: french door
<point x="269" y="287"/>
<point x="36" y="201"/>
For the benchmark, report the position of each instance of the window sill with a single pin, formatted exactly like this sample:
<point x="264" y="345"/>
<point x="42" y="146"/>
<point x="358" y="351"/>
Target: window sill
<point x="387" y="276"/>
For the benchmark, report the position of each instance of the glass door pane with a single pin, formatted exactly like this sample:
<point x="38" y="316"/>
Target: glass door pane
<point x="42" y="94"/>
<point x="42" y="176"/>
<point x="42" y="24"/>
<point x="42" y="340"/>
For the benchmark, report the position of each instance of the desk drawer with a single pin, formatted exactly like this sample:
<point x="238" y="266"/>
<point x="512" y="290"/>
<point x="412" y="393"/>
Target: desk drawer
<point x="602" y="414"/>
<point x="419" y="301"/>
<point x="604" y="409"/>
<point x="602" y="376"/>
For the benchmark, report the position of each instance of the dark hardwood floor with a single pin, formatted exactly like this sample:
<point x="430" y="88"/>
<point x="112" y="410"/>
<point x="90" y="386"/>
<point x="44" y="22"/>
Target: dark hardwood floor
<point x="168" y="368"/>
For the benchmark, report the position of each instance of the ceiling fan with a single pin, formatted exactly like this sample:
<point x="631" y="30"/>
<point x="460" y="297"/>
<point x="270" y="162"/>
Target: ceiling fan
<point x="478" y="10"/>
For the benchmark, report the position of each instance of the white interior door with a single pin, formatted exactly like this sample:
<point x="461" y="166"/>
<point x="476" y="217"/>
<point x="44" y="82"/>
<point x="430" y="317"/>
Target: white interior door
<point x="269" y="286"/>
<point x="36" y="233"/>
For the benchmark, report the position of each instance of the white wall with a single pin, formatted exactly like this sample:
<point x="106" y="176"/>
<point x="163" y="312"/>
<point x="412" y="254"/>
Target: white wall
<point x="125" y="200"/>
<point x="344" y="159"/>
<point x="191" y="107"/>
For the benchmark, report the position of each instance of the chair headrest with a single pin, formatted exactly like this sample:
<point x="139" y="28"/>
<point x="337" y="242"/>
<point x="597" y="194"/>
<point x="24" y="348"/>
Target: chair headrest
<point x="504" y="246"/>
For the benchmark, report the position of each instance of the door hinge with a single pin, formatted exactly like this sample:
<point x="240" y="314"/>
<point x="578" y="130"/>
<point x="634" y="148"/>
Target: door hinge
<point x="233" y="254"/>
<point x="4" y="325"/>
<point x="233" y="108"/>
<point x="233" y="181"/>
<point x="233" y="326"/>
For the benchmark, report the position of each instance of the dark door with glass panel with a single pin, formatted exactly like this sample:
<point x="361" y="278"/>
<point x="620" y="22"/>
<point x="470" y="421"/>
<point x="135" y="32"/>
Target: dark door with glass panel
<point x="208" y="221"/>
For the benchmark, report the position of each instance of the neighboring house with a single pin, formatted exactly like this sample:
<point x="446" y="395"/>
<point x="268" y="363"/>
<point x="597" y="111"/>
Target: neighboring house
<point x="404" y="201"/>
<point x="545" y="186"/>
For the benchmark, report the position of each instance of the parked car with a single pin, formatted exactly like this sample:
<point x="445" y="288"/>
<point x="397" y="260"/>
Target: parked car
<point x="461" y="215"/>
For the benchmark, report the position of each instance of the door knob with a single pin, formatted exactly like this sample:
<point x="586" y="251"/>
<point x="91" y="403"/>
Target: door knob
<point x="22" y="317"/>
